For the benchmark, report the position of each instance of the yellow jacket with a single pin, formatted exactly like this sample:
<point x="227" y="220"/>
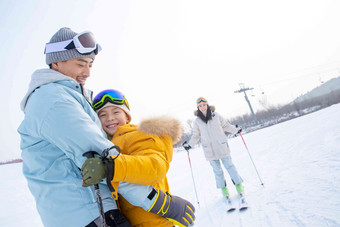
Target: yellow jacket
<point x="148" y="150"/>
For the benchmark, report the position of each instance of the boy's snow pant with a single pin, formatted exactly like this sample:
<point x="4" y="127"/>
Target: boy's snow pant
<point x="230" y="167"/>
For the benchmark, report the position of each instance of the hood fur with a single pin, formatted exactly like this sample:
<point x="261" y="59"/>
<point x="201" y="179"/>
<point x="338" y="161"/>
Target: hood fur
<point x="211" y="107"/>
<point x="162" y="125"/>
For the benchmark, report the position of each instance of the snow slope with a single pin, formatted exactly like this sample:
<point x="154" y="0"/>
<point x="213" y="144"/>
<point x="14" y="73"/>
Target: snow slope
<point x="298" y="161"/>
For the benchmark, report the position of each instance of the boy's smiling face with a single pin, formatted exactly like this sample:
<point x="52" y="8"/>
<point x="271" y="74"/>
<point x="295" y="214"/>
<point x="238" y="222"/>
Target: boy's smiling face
<point x="111" y="118"/>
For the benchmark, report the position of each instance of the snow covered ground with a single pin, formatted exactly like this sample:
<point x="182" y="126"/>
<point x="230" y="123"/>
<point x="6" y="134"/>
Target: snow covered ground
<point x="298" y="161"/>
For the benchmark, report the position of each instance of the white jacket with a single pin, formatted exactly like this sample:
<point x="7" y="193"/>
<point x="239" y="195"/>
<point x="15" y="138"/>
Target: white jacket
<point x="212" y="135"/>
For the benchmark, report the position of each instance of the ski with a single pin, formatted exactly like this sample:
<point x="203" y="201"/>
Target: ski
<point x="243" y="205"/>
<point x="230" y="206"/>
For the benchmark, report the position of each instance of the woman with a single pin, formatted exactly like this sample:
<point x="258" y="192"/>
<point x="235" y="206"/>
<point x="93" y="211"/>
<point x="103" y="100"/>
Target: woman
<point x="210" y="127"/>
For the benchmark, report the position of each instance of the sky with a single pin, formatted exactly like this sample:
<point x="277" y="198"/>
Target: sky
<point x="298" y="163"/>
<point x="163" y="55"/>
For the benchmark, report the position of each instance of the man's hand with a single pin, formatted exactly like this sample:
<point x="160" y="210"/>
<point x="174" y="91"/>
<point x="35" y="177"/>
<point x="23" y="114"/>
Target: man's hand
<point x="186" y="146"/>
<point x="94" y="171"/>
<point x="177" y="210"/>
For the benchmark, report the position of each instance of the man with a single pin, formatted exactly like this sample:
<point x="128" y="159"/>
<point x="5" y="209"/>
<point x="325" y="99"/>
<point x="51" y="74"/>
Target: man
<point x="59" y="127"/>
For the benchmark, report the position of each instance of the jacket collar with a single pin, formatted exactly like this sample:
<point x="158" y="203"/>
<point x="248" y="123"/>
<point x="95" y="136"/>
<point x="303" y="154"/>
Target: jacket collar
<point x="45" y="76"/>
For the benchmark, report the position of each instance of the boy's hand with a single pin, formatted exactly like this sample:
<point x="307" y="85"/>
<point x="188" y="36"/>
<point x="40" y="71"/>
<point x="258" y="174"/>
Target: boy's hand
<point x="177" y="210"/>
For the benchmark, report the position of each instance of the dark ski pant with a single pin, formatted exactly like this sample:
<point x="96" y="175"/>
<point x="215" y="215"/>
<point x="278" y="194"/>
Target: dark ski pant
<point x="113" y="218"/>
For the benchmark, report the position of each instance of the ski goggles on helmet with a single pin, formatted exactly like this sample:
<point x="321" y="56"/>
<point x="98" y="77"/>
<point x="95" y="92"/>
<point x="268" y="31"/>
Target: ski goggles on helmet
<point x="110" y="95"/>
<point x="201" y="99"/>
<point x="84" y="43"/>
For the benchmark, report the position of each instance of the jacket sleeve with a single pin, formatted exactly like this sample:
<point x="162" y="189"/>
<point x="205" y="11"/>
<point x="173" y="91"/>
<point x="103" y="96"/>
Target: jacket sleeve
<point x="196" y="135"/>
<point x="149" y="163"/>
<point x="227" y="127"/>
<point x="72" y="130"/>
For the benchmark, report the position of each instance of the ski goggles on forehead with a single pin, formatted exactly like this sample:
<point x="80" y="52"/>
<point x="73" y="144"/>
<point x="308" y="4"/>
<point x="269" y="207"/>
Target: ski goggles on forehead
<point x="199" y="100"/>
<point x="84" y="43"/>
<point x="106" y="96"/>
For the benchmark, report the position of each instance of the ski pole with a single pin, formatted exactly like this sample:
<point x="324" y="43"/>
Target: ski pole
<point x="90" y="154"/>
<point x="193" y="180"/>
<point x="251" y="159"/>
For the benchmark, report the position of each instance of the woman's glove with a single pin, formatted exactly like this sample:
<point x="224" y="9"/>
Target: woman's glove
<point x="186" y="146"/>
<point x="239" y="130"/>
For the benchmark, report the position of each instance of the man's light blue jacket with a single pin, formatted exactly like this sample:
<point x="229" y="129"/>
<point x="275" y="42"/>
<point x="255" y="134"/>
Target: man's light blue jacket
<point x="59" y="126"/>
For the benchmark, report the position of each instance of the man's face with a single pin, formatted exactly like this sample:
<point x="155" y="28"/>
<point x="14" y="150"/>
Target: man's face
<point x="77" y="68"/>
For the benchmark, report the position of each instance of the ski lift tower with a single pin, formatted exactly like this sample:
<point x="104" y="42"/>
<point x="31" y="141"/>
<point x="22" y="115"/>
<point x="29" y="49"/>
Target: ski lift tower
<point x="243" y="89"/>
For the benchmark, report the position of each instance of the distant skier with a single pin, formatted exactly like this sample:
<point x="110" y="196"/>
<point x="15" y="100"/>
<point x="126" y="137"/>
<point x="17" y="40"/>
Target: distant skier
<point x="209" y="126"/>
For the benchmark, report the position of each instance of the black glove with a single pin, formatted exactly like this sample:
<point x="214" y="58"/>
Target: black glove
<point x="238" y="132"/>
<point x="177" y="210"/>
<point x="186" y="146"/>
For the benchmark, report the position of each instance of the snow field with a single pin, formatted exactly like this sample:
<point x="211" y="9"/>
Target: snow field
<point x="298" y="161"/>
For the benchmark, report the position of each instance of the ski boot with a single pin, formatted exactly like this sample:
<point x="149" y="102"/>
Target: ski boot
<point x="242" y="203"/>
<point x="230" y="206"/>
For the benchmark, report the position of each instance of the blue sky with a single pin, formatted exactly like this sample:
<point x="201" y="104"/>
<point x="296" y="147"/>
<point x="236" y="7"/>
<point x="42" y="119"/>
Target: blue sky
<point x="165" y="54"/>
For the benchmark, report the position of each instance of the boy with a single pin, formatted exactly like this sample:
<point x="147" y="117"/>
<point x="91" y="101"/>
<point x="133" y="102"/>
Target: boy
<point x="148" y="153"/>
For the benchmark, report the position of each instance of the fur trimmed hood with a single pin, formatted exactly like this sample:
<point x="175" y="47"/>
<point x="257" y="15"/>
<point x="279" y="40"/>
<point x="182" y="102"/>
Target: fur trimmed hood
<point x="162" y="125"/>
<point x="212" y="108"/>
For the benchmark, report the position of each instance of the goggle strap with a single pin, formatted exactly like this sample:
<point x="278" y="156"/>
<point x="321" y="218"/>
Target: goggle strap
<point x="106" y="101"/>
<point x="70" y="46"/>
<point x="57" y="47"/>
<point x="201" y="100"/>
<point x="107" y="98"/>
